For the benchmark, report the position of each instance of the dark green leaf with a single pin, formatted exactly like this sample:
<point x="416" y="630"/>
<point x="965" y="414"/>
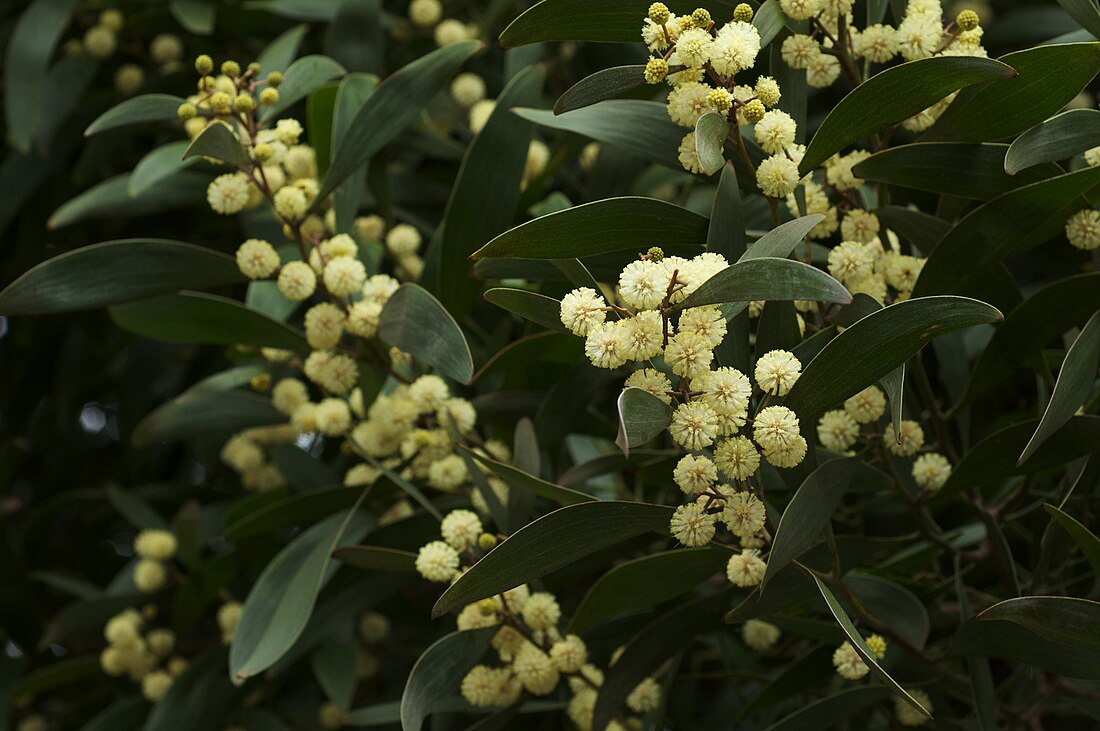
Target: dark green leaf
<point x="642" y="416"/>
<point x="537" y="308"/>
<point x="726" y="232"/>
<point x="1085" y="12"/>
<point x="159" y="164"/>
<point x="282" y="511"/>
<point x="334" y="666"/>
<point x="112" y="198"/>
<point x="125" y="714"/>
<point x="1061" y="619"/>
<point x="523" y="481"/>
<point x="281" y="52"/>
<point x="196" y="16"/>
<point x="551" y="542"/>
<point x="1082" y="536"/>
<point x="609" y="21"/>
<point x="604" y="84"/>
<point x="376" y="558"/>
<point x="438" y="673"/>
<point x="614" y="224"/>
<point x="710" y="139"/>
<point x="1059" y="138"/>
<point x="394" y="104"/>
<point x="769" y="20"/>
<point x="144" y="108"/>
<point x="417" y="323"/>
<point x="1049" y="77"/>
<point x="350" y="96"/>
<point x="768" y="278"/>
<point x="136" y="511"/>
<point x="783" y="239"/>
<point x="199" y="698"/>
<point x="114" y="272"/>
<point x="302" y="470"/>
<point x="281" y="601"/>
<point x="876" y="345"/>
<point x="301" y="78"/>
<point x="833" y="710"/>
<point x="542" y="347"/>
<point x="219" y="142"/>
<point x="892" y="605"/>
<point x="924" y="231"/>
<point x="194" y="317"/>
<point x="893" y="96"/>
<point x="1015" y="641"/>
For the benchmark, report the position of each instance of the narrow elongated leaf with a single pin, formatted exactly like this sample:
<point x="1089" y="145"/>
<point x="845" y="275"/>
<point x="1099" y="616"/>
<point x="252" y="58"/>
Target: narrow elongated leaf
<point x="641" y="128"/>
<point x="642" y="416"/>
<point x="495" y="161"/>
<point x="114" y="272"/>
<point x="537" y="308"/>
<point x="604" y="84"/>
<point x="219" y="142"/>
<point x="1074" y="385"/>
<point x="135" y="510"/>
<point x="1017" y="642"/>
<point x="521" y="480"/>
<point x="783" y="239"/>
<point x="611" y="21"/>
<point x="334" y="666"/>
<point x="1049" y="77"/>
<point x="417" y="323"/>
<point x="300" y="79"/>
<point x="807" y="514"/>
<point x="894" y="95"/>
<point x="1085" y="12"/>
<point x="125" y="714"/>
<point x="645" y="582"/>
<point x="832" y="710"/>
<point x="194" y="317"/>
<point x="112" y="198"/>
<point x="599" y="227"/>
<point x="144" y="108"/>
<point x="196" y="16"/>
<point x="860" y="645"/>
<point x="159" y="164"/>
<point x="393" y="105"/>
<point x="280" y="52"/>
<point x="551" y="542"/>
<point x="281" y="601"/>
<point x="1082" y="536"/>
<point x="768" y="278"/>
<point x="1059" y="138"/>
<point x="199" y="698"/>
<point x="710" y="141"/>
<point x="350" y="96"/>
<point x="1062" y="619"/>
<point x="924" y="231"/>
<point x="876" y="345"/>
<point x="438" y="672"/>
<point x="376" y="558"/>
<point x="892" y="605"/>
<point x="26" y="63"/>
<point x="208" y="407"/>
<point x="965" y="169"/>
<point x="769" y="20"/>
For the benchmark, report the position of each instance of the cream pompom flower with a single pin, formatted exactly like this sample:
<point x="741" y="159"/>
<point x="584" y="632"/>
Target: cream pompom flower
<point x="363" y="318"/>
<point x="437" y="561"/>
<point x="907" y="714"/>
<point x="642" y="335"/>
<point x="877" y="43"/>
<point x="822" y="70"/>
<point x="643" y="283"/>
<point x="727" y="391"/>
<point x="257" y="259"/>
<point x="344" y="276"/>
<point x="694" y="425"/>
<point x="688" y="355"/>
<point x="746" y="569"/>
<point x="1083" y="229"/>
<point x="645" y="697"/>
<point x="776" y="372"/>
<point x="687" y="102"/>
<point x="380" y="288"/>
<point x="850" y="261"/>
<point x="481" y="686"/>
<point x="788" y="455"/>
<point x="859" y="225"/>
<point x="849" y="665"/>
<point x="909" y="440"/>
<point x="744" y="514"/>
<point x="775" y="132"/>
<point x="691" y="526"/>
<point x="930" y="471"/>
<point x="866" y="406"/>
<point x="694" y="47"/>
<point x="775" y="427"/>
<point x="798" y="50"/>
<point x="801" y="9"/>
<point x="569" y="654"/>
<point x="604" y="345"/>
<point x="541" y="611"/>
<point x="777" y="176"/>
<point x="694" y="474"/>
<point x="403" y="240"/>
<point x="582" y="309"/>
<point x="735" y="48"/>
<point x="461" y="528"/>
<point x="290" y="202"/>
<point x="159" y="545"/>
<point x="759" y="635"/>
<point x="837" y="430"/>
<point x="652" y="382"/>
<point x="688" y="154"/>
<point x="535" y="670"/>
<point x="229" y="193"/>
<point x="324" y="325"/>
<point x="737" y="458"/>
<point x="706" y="322"/>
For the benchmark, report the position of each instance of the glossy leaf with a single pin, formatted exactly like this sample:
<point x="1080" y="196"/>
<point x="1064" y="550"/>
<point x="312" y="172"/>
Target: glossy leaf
<point x="281" y="601"/>
<point x="1073" y="387"/>
<point x="783" y="239"/>
<point x="876" y="345"/>
<point x="604" y="84"/>
<point x="645" y="582"/>
<point x="1017" y="642"/>
<point x="521" y="480"/>
<point x="832" y="710"/>
<point x="219" y="142"/>
<point x="615" y="224"/>
<point x="808" y="513"/>
<point x="553" y="541"/>
<point x="438" y="673"/>
<point x="642" y="416"/>
<point x="1059" y="138"/>
<point x="1049" y="77"/>
<point x="1085" y="12"/>
<point x="710" y="141"/>
<point x="922" y="230"/>
<point x="300" y="79"/>
<point x="393" y="106"/>
<point x="1062" y="619"/>
<point x="114" y="272"/>
<point x="112" y="198"/>
<point x="159" y="164"/>
<point x="538" y="308"/>
<point x="144" y="108"/>
<point x="376" y="558"/>
<point x="965" y="169"/>
<point x="894" y="95"/>
<point x="611" y="21"/>
<point x="769" y="20"/>
<point x="769" y="279"/>
<point x="352" y="93"/>
<point x="1085" y="539"/>
<point x="414" y="321"/>
<point x="193" y="317"/>
<point x="248" y="520"/>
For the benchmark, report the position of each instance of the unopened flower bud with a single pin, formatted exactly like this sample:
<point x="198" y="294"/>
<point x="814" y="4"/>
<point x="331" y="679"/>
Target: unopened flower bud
<point x="186" y="111"/>
<point x="655" y="253"/>
<point x="656" y="70"/>
<point x="274" y="79"/>
<point x="658" y="13"/>
<point x="486" y="541"/>
<point x="753" y="111"/>
<point x="720" y="100"/>
<point x="219" y="102"/>
<point x="244" y="103"/>
<point x="967" y="20"/>
<point x="269" y="97"/>
<point x="261" y="382"/>
<point x="231" y="69"/>
<point x="700" y="18"/>
<point x="487" y="607"/>
<point x="743" y="13"/>
<point x="254" y="68"/>
<point x="204" y="64"/>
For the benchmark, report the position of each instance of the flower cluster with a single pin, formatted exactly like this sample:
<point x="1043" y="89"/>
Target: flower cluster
<point x="1083" y="227"/>
<point x="849" y="665"/>
<point x="142" y="654"/>
<point x="154" y="549"/>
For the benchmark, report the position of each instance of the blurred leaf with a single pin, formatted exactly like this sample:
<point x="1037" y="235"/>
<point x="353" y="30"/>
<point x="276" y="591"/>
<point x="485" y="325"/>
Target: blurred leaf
<point x="1048" y="79"/>
<point x="642" y="416"/>
<point x="1085" y="12"/>
<point x="1059" y="138"/>
<point x="876" y="345"/>
<point x="301" y="78"/>
<point x="393" y="106"/>
<point x="710" y="140"/>
<point x="807" y="671"/>
<point x="832" y="710"/>
<point x="78" y="588"/>
<point x="1016" y="641"/>
<point x="541" y="347"/>
<point x="964" y="169"/>
<point x="144" y="108"/>
<point x="860" y="645"/>
<point x="125" y="714"/>
<point x="376" y="558"/>
<point x="1082" y="536"/>
<point x="356" y="37"/>
<point x="196" y="16"/>
<point x="604" y="84"/>
<point x="726" y="230"/>
<point x="334" y="666"/>
<point x="767" y="279"/>
<point x="219" y="142"/>
<point x="136" y="511"/>
<point x="194" y="317"/>
<point x="301" y="469"/>
<point x="87" y="617"/>
<point x="115" y="272"/>
<point x="521" y="480"/>
<point x="893" y="605"/>
<point x="769" y="20"/>
<point x="923" y="230"/>
<point x="417" y="323"/>
<point x="61" y="674"/>
<point x="350" y="96"/>
<point x="1075" y="380"/>
<point x="495" y="161"/>
<point x="636" y="585"/>
<point x="894" y="95"/>
<point x="281" y="601"/>
<point x="553" y="541"/>
<point x="1062" y="619"/>
<point x="30" y="47"/>
<point x="264" y="296"/>
<point x="614" y="224"/>
<point x="162" y="162"/>
<point x="199" y="698"/>
<point x="438" y="673"/>
<point x="296" y="509"/>
<point x="808" y="513"/>
<point x="783" y="239"/>
<point x="281" y="52"/>
<point x="1007" y="225"/>
<point x="537" y="308"/>
<point x="313" y="10"/>
<point x="111" y="198"/>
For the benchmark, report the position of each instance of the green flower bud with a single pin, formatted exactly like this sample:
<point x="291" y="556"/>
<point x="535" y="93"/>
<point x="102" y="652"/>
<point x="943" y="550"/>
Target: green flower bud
<point x="207" y="83"/>
<point x="720" y="100"/>
<point x="219" y="102"/>
<point x="656" y="69"/>
<point x="186" y="111"/>
<point x="658" y="13"/>
<point x="487" y="541"/>
<point x="487" y="607"/>
<point x="967" y="20"/>
<point x="244" y="103"/>
<point x="231" y="69"/>
<point x="655" y="253"/>
<point x="700" y="18"/>
<point x="743" y="13"/>
<point x="262" y="152"/>
<point x="204" y="64"/>
<point x="753" y="111"/>
<point x="254" y="68"/>
<point x="269" y="97"/>
<point x="274" y="79"/>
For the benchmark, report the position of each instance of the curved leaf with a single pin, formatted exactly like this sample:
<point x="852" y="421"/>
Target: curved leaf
<point x="1015" y="641"/>
<point x="438" y="673"/>
<point x="892" y="605"/>
<point x="196" y="16"/>
<point x="555" y="540"/>
<point x="609" y="21"/>
<point x="783" y="239"/>
<point x="159" y="164"/>
<point x="112" y="198"/>
<point x="832" y="710"/>
<point x="893" y="96"/>
<point x="281" y="511"/>
<point x="519" y="479"/>
<point x="1059" y="138"/>
<point x="301" y="78"/>
<point x="1049" y="77"/>
<point x="603" y="84"/>
<point x="710" y="141"/>
<point x="1085" y="12"/>
<point x="114" y="272"/>
<point x="199" y="698"/>
<point x="219" y="142"/>
<point x="768" y="279"/>
<point x="876" y="345"/>
<point x="642" y="416"/>
<point x="538" y="308"/>
<point x="417" y="323"/>
<point x="614" y="224"/>
<point x="1062" y="619"/>
<point x="281" y="601"/>
<point x="193" y="317"/>
<point x="376" y="558"/>
<point x="144" y="108"/>
<point x="281" y="52"/>
<point x="125" y="714"/>
<point x="1082" y="536"/>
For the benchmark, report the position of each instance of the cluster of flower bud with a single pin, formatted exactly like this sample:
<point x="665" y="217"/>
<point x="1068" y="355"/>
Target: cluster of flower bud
<point x="155" y="550"/>
<point x="144" y="655"/>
